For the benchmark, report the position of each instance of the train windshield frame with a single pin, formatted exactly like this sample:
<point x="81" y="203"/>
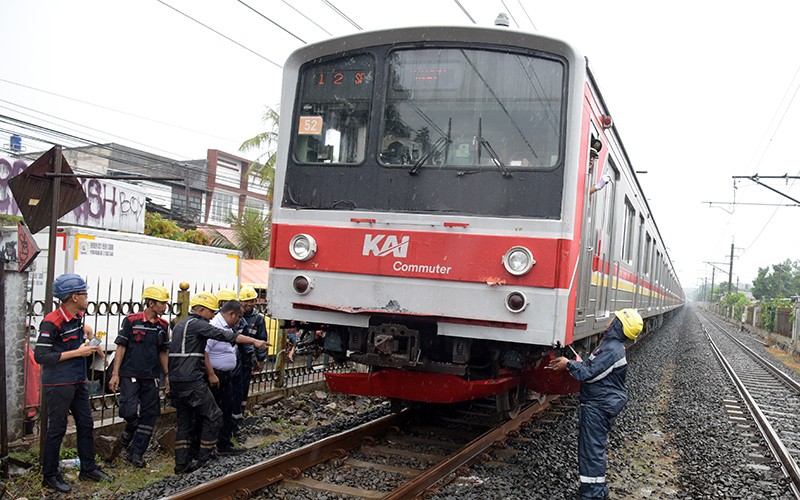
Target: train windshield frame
<point x="497" y="150"/>
<point x="472" y="107"/>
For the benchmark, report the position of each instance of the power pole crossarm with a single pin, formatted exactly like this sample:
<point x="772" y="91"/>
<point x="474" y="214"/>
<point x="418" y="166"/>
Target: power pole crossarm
<point x="755" y="178"/>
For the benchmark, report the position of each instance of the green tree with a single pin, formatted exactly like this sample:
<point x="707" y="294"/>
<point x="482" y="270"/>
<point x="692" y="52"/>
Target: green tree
<point x="264" y="165"/>
<point x="783" y="280"/>
<point x="737" y="301"/>
<point x="264" y="168"/>
<point x="156" y="225"/>
<point x="768" y="310"/>
<point x="252" y="233"/>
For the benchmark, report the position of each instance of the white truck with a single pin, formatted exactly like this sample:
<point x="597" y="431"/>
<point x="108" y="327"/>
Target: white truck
<point x="118" y="266"/>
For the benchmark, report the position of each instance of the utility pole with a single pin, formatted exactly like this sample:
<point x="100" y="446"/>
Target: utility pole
<point x="713" y="271"/>
<point x="730" y="271"/>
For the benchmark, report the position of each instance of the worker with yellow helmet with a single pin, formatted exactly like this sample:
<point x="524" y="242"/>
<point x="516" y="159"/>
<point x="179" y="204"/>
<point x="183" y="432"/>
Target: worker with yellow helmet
<point x="189" y="391"/>
<point x="141" y="357"/>
<point x="602" y="397"/>
<point x="252" y="360"/>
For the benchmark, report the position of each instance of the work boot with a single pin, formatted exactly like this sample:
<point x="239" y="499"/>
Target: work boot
<point x="126" y="438"/>
<point x="135" y="460"/>
<point x="96" y="475"/>
<point x="56" y="483"/>
<point x="230" y="451"/>
<point x="185" y="468"/>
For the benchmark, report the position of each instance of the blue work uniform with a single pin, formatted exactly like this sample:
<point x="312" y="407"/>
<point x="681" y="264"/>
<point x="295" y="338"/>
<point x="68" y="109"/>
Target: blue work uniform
<point x="602" y="397"/>
<point x="252" y="325"/>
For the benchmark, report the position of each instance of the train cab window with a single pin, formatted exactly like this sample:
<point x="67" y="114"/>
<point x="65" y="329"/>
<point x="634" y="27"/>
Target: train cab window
<point x="476" y="108"/>
<point x="333" y="112"/>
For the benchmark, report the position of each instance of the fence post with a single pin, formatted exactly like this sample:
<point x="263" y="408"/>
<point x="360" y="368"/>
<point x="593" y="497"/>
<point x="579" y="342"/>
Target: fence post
<point x="280" y="356"/>
<point x="796" y="328"/>
<point x="183" y="301"/>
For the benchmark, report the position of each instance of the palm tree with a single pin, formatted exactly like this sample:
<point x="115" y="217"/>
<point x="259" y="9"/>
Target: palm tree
<point x="252" y="233"/>
<point x="264" y="165"/>
<point x="251" y="225"/>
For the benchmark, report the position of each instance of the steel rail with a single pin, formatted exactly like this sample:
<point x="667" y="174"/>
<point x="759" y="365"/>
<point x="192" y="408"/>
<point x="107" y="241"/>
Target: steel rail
<point x="243" y="483"/>
<point x="788" y="464"/>
<point x="769" y="366"/>
<point x="419" y="484"/>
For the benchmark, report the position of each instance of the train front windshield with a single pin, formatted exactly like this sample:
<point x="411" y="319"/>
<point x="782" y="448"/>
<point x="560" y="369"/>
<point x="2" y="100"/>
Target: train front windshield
<point x="420" y="130"/>
<point x="480" y="108"/>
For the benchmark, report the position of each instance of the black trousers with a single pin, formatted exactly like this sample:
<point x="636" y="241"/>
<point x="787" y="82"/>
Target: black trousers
<point x="139" y="406"/>
<point x="226" y="399"/>
<point x="61" y="400"/>
<point x="195" y="405"/>
<point x="247" y="373"/>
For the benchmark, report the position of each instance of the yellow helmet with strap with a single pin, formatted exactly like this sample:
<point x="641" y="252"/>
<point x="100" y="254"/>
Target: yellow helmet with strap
<point x="632" y="322"/>
<point x="156" y="292"/>
<point x="247" y="292"/>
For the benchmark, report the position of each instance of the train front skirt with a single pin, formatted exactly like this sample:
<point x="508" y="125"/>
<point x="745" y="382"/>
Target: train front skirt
<point x="446" y="388"/>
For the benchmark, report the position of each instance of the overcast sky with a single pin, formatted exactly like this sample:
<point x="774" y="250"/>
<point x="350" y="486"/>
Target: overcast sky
<point x="700" y="90"/>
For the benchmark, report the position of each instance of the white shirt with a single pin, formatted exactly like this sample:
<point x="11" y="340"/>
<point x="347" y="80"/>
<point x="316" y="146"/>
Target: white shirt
<point x="222" y="355"/>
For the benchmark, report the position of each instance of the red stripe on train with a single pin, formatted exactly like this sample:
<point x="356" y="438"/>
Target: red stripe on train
<point x="449" y="256"/>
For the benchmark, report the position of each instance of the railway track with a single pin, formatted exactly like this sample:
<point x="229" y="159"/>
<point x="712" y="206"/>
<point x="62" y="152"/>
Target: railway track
<point x="771" y="396"/>
<point x="444" y="443"/>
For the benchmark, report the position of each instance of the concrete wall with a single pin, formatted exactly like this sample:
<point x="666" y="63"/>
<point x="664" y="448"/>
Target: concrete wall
<point x="15" y="331"/>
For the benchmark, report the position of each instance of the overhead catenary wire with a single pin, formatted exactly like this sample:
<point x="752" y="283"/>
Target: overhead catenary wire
<point x="526" y="15"/>
<point x="509" y="12"/>
<point x="81" y="101"/>
<point x="769" y="142"/>
<point x="342" y="15"/>
<point x="270" y="20"/>
<point x="162" y="2"/>
<point x="131" y="141"/>
<point x="306" y="17"/>
<point x="465" y="11"/>
<point x="151" y="160"/>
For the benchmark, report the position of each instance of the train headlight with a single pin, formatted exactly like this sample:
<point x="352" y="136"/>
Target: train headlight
<point x="516" y="302"/>
<point x="303" y="247"/>
<point x="518" y="261"/>
<point x="302" y="285"/>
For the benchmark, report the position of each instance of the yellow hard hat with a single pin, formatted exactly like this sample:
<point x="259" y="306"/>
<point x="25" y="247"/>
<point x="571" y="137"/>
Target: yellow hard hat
<point x="247" y="293"/>
<point x="205" y="299"/>
<point x="632" y="323"/>
<point x="226" y="294"/>
<point x="156" y="292"/>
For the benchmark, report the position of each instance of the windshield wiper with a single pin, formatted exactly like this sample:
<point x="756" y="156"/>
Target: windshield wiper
<point x="437" y="147"/>
<point x="493" y="155"/>
<point x="483" y="143"/>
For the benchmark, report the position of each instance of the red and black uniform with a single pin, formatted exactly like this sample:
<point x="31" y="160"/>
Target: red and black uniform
<point x="65" y="389"/>
<point x="139" y="375"/>
<point x="189" y="390"/>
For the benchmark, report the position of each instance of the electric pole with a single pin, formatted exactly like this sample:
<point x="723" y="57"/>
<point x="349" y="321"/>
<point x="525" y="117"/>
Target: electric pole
<point x="730" y="271"/>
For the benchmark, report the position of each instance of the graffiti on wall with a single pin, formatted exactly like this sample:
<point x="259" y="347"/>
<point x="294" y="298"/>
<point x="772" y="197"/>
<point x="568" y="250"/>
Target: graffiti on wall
<point x="109" y="205"/>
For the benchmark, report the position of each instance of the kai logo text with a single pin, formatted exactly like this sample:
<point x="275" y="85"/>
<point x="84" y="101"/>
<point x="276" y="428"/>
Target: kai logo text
<point x="381" y="245"/>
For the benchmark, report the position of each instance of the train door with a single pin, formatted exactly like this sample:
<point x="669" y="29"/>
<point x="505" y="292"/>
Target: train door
<point x="584" y="310"/>
<point x="603" y="243"/>
<point x="637" y="288"/>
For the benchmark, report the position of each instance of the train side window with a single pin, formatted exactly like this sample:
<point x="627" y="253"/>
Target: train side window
<point x="628" y="232"/>
<point x="648" y="250"/>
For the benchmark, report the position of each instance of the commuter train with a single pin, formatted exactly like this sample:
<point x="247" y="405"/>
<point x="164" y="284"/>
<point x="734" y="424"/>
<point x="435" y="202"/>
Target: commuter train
<point x="432" y="208"/>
